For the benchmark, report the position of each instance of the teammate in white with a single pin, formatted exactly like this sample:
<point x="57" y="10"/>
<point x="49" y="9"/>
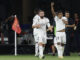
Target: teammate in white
<point x="42" y="35"/>
<point x="35" y="32"/>
<point x="60" y="31"/>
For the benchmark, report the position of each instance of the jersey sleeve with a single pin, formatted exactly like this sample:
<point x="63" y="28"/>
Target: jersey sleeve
<point x="48" y="23"/>
<point x="55" y="18"/>
<point x="34" y="23"/>
<point x="64" y="18"/>
<point x="35" y="19"/>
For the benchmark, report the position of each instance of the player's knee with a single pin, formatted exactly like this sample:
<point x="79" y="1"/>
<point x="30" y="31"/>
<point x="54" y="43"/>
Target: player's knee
<point x="62" y="44"/>
<point x="43" y="45"/>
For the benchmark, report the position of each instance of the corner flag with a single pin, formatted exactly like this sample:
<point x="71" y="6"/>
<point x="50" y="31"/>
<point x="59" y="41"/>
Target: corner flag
<point x="17" y="29"/>
<point x="16" y="26"/>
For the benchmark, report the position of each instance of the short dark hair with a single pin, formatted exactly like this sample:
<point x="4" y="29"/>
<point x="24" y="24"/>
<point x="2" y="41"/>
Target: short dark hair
<point x="66" y="11"/>
<point x="40" y="11"/>
<point x="59" y="12"/>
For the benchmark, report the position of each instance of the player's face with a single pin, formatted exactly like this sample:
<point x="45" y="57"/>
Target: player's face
<point x="41" y="14"/>
<point x="67" y="15"/>
<point x="60" y="15"/>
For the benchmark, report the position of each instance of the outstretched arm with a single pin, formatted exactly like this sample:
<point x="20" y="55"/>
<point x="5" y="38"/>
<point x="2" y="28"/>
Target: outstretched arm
<point x="52" y="9"/>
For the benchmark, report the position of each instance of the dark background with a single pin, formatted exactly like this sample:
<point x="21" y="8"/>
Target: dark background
<point x="9" y="7"/>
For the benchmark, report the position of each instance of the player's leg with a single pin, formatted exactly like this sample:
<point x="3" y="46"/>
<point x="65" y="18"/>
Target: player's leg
<point x="58" y="45"/>
<point x="36" y="49"/>
<point x="53" y="46"/>
<point x="36" y="45"/>
<point x="63" y="41"/>
<point x="53" y="49"/>
<point x="43" y="42"/>
<point x="41" y="48"/>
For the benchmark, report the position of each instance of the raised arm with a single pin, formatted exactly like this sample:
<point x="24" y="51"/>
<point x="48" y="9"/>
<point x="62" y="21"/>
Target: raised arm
<point x="52" y="9"/>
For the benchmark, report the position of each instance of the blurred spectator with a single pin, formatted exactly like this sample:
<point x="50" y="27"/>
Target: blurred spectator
<point x="76" y="18"/>
<point x="77" y="31"/>
<point x="69" y="34"/>
<point x="10" y="31"/>
<point x="6" y="29"/>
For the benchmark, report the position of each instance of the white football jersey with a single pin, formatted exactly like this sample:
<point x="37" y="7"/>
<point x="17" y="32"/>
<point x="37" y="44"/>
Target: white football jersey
<point x="60" y="25"/>
<point x="43" y="24"/>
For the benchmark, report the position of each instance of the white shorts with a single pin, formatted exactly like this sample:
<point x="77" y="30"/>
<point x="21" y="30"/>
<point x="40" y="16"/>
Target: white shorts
<point x="42" y="39"/>
<point x="36" y="38"/>
<point x="60" y="37"/>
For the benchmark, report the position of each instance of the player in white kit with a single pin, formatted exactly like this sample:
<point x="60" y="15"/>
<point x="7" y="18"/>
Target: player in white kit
<point x="61" y="22"/>
<point x="35" y="32"/>
<point x="41" y="25"/>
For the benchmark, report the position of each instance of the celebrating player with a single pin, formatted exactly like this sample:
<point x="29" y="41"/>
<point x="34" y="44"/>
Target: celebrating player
<point x="60" y="31"/>
<point x="41" y="24"/>
<point x="35" y="32"/>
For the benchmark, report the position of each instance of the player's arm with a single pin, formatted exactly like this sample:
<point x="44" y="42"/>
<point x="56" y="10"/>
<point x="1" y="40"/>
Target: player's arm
<point x="35" y="25"/>
<point x="65" y="22"/>
<point x="52" y="9"/>
<point x="73" y="25"/>
<point x="50" y="28"/>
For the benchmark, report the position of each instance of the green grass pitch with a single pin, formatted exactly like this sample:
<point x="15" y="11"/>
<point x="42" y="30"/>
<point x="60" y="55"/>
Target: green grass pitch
<point x="32" y="57"/>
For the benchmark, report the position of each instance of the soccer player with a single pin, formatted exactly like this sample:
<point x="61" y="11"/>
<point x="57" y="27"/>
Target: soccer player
<point x="42" y="35"/>
<point x="35" y="32"/>
<point x="77" y="31"/>
<point x="60" y="31"/>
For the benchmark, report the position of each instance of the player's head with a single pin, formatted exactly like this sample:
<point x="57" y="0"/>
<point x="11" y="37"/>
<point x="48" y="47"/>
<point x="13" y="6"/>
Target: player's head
<point x="36" y="11"/>
<point x="60" y="14"/>
<point x="41" y="13"/>
<point x="67" y="14"/>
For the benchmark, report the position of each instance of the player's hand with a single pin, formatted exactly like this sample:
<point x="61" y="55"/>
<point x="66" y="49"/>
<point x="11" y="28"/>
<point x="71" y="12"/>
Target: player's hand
<point x="38" y="26"/>
<point x="52" y="3"/>
<point x="75" y="28"/>
<point x="66" y="25"/>
<point x="50" y="29"/>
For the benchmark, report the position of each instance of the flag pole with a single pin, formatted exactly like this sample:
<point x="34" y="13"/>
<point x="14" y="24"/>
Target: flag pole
<point x="15" y="44"/>
<point x="16" y="28"/>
